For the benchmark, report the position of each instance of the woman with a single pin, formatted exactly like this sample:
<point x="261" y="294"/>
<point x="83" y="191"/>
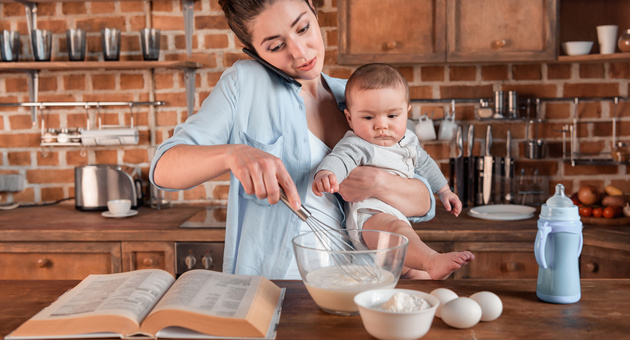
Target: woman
<point x="271" y="133"/>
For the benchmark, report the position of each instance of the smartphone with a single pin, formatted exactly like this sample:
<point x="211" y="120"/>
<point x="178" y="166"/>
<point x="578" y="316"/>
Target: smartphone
<point x="271" y="67"/>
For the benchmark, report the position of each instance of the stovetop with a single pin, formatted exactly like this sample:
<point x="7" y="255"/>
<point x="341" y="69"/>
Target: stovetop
<point x="209" y="217"/>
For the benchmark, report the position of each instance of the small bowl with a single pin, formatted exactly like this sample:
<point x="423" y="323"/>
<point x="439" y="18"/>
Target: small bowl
<point x="577" y="47"/>
<point x="334" y="277"/>
<point x="383" y="324"/>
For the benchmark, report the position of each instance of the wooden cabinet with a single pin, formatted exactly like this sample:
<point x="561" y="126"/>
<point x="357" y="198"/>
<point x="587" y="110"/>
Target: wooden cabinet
<point x="393" y="31"/>
<point x="498" y="260"/>
<point x="148" y="255"/>
<point x="501" y="30"/>
<point x="58" y="260"/>
<point x="438" y="31"/>
<point x="597" y="262"/>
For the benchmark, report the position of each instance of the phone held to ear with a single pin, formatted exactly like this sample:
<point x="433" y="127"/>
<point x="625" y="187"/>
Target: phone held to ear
<point x="271" y="67"/>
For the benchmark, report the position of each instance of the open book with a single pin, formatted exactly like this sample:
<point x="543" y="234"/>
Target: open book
<point x="150" y="303"/>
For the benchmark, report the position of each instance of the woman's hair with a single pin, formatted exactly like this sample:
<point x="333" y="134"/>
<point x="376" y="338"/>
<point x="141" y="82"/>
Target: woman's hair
<point x="375" y="76"/>
<point x="240" y="13"/>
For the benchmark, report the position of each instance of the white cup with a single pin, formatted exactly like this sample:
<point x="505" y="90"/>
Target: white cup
<point x="425" y="129"/>
<point x="447" y="128"/>
<point x="607" y="37"/>
<point x="119" y="207"/>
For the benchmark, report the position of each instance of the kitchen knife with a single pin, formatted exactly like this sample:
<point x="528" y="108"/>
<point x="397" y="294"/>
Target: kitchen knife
<point x="508" y="173"/>
<point x="460" y="178"/>
<point x="470" y="170"/>
<point x="488" y="161"/>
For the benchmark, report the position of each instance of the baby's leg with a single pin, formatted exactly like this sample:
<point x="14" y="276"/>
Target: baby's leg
<point x="414" y="274"/>
<point x="419" y="254"/>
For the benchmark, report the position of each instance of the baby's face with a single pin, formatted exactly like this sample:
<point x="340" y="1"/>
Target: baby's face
<point x="379" y="116"/>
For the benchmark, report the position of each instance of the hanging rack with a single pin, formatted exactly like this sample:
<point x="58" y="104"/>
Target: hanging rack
<point x="87" y="105"/>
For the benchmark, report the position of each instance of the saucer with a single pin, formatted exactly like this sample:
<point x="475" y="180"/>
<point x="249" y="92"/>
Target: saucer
<point x="128" y="214"/>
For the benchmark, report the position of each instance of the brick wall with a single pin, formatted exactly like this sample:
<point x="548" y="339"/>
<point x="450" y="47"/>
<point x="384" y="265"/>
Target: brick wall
<point x="49" y="171"/>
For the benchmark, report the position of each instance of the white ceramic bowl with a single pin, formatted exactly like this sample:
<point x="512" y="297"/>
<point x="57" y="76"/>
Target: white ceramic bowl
<point x="577" y="47"/>
<point x="383" y="324"/>
<point x="119" y="207"/>
<point x="332" y="288"/>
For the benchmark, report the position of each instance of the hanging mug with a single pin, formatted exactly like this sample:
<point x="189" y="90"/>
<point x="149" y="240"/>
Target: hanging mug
<point x="447" y="128"/>
<point x="425" y="129"/>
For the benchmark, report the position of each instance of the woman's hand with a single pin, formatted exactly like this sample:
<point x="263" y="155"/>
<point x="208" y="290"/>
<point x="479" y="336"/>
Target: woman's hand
<point x="261" y="174"/>
<point x="410" y="196"/>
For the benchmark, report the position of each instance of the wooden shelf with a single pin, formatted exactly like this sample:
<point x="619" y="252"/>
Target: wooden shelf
<point x="594" y="58"/>
<point x="91" y="65"/>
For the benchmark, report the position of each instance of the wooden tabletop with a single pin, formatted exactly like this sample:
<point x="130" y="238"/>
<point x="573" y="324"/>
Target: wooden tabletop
<point x="602" y="313"/>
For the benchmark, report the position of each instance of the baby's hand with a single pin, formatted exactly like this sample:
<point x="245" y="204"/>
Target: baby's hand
<point x="325" y="181"/>
<point x="451" y="202"/>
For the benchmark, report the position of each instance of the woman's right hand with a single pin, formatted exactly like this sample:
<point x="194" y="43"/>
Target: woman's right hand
<point x="261" y="174"/>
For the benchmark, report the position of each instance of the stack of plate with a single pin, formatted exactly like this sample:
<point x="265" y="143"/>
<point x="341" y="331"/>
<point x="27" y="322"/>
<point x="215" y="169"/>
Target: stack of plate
<point x="502" y="212"/>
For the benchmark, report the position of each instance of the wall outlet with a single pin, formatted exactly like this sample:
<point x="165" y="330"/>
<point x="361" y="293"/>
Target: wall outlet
<point x="11" y="183"/>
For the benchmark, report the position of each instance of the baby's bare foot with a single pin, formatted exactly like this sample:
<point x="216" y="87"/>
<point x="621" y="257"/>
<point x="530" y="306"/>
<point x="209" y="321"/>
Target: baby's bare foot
<point x="442" y="265"/>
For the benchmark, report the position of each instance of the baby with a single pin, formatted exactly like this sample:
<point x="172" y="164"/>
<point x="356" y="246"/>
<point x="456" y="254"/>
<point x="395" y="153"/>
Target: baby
<point x="377" y="101"/>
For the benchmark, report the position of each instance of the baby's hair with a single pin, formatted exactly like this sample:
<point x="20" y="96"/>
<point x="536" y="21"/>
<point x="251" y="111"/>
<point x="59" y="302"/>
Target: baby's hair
<point x="375" y="76"/>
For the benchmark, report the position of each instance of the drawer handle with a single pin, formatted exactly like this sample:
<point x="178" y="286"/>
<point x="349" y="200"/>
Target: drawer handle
<point x="147" y="262"/>
<point x="591" y="267"/>
<point x="43" y="263"/>
<point x="510" y="266"/>
<point x="500" y="43"/>
<point x="390" y="45"/>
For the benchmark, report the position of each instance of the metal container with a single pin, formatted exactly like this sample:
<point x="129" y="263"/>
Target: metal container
<point x="512" y="110"/>
<point x="499" y="104"/>
<point x="535" y="149"/>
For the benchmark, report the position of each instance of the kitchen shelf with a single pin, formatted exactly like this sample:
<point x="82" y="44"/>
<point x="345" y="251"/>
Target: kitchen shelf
<point x="92" y="65"/>
<point x="594" y="58"/>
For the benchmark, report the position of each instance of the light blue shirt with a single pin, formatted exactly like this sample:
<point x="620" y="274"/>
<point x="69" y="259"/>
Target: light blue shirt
<point x="253" y="106"/>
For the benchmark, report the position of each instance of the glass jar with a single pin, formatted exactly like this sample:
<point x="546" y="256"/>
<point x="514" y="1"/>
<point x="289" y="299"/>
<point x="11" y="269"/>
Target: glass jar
<point x="624" y="41"/>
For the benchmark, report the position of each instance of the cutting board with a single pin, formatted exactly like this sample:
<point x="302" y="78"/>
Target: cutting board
<point x="606" y="221"/>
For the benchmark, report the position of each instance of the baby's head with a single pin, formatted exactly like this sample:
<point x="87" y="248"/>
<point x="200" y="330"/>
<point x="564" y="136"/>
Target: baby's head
<point x="377" y="104"/>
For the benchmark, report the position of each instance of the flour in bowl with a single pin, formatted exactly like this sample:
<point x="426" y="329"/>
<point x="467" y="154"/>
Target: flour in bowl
<point x="404" y="302"/>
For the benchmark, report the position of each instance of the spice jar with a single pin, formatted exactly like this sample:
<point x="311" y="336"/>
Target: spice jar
<point x="624" y="41"/>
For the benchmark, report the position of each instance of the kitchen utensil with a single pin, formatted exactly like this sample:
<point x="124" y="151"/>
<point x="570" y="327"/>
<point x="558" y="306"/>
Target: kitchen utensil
<point x="383" y="324"/>
<point x="75" y="41"/>
<point x="94" y="185"/>
<point x="448" y="126"/>
<point x="470" y="169"/>
<point x="508" y="172"/>
<point x="110" y="40"/>
<point x="331" y="289"/>
<point x="512" y="110"/>
<point x="348" y="253"/>
<point x="499" y="104"/>
<point x="150" y="42"/>
<point x="535" y="149"/>
<point x="10" y="45"/>
<point x="557" y="249"/>
<point x="42" y="44"/>
<point x="607" y="38"/>
<point x="488" y="162"/>
<point x="425" y="129"/>
<point x="458" y="178"/>
<point x="577" y="47"/>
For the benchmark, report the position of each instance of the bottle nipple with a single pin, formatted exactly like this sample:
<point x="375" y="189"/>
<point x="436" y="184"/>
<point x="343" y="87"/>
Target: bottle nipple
<point x="559" y="199"/>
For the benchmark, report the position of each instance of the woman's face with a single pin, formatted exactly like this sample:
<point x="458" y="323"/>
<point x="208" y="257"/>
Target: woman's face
<point x="286" y="34"/>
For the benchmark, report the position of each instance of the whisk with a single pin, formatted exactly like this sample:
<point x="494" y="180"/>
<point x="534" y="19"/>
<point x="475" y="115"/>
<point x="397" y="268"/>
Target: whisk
<point x="343" y="247"/>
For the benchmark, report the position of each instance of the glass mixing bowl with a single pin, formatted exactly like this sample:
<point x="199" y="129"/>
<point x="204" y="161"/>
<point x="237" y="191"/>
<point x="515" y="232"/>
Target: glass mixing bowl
<point x="334" y="277"/>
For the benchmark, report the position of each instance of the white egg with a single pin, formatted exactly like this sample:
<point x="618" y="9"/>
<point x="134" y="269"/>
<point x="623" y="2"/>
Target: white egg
<point x="462" y="312"/>
<point x="444" y="295"/>
<point x="490" y="303"/>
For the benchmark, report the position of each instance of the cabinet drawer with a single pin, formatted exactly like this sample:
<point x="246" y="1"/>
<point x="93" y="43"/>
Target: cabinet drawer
<point x="58" y="260"/>
<point x="510" y="260"/>
<point x="148" y="255"/>
<point x="604" y="263"/>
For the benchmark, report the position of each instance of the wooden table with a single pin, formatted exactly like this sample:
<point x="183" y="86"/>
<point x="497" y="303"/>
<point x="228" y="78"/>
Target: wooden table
<point x="602" y="313"/>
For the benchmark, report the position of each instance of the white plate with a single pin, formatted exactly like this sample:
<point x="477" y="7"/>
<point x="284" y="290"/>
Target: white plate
<point x="130" y="213"/>
<point x="502" y="212"/>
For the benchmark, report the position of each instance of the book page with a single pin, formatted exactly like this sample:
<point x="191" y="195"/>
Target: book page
<point x="131" y="294"/>
<point x="210" y="292"/>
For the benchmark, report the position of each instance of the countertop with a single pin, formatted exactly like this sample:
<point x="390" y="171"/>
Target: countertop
<point x="602" y="312"/>
<point x="64" y="222"/>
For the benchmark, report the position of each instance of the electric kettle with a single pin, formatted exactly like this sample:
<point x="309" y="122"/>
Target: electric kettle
<point x="557" y="249"/>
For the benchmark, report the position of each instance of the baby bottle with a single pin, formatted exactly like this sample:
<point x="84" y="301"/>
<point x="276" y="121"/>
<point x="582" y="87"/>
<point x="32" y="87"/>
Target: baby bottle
<point x="557" y="249"/>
